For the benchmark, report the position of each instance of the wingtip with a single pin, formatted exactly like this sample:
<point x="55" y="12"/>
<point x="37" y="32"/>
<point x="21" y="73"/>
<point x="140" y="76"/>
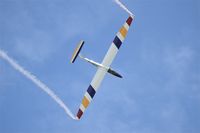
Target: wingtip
<point x="79" y="114"/>
<point x="76" y="118"/>
<point x="129" y="20"/>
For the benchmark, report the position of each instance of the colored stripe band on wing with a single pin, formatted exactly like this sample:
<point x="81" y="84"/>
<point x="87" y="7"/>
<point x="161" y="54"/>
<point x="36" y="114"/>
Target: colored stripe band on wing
<point x="82" y="108"/>
<point x="85" y="102"/>
<point x="91" y="91"/>
<point x="123" y="31"/>
<point x="88" y="96"/>
<point x="126" y="26"/>
<point x="117" y="42"/>
<point x="119" y="35"/>
<point x="79" y="114"/>
<point x="129" y="21"/>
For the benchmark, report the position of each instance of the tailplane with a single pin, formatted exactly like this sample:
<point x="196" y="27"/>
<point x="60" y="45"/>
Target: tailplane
<point x="77" y="51"/>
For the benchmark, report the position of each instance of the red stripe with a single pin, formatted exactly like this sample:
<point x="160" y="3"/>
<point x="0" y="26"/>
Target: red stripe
<point x="79" y="114"/>
<point x="129" y="21"/>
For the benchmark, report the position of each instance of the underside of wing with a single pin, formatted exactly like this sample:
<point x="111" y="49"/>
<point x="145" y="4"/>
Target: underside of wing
<point x="117" y="42"/>
<point x="93" y="87"/>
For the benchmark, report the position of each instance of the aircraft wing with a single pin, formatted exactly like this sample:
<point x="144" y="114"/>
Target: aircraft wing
<point x="96" y="81"/>
<point x="119" y="38"/>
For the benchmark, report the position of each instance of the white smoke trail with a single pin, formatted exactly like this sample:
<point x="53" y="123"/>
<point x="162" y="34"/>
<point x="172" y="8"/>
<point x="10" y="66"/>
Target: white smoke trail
<point x="124" y="7"/>
<point x="36" y="81"/>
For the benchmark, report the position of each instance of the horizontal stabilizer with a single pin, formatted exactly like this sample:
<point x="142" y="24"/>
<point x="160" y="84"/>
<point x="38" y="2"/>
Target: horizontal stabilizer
<point x="77" y="51"/>
<point x="114" y="73"/>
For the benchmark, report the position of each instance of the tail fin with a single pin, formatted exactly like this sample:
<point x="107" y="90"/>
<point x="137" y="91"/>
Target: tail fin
<point x="77" y="51"/>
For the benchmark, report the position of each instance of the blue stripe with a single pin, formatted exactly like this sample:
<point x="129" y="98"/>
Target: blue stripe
<point x="117" y="42"/>
<point x="91" y="91"/>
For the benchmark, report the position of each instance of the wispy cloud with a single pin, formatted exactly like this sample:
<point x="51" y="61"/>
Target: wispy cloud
<point x="178" y="60"/>
<point x="124" y="7"/>
<point x="37" y="82"/>
<point x="37" y="47"/>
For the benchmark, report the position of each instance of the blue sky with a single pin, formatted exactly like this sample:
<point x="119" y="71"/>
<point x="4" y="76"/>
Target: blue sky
<point x="159" y="60"/>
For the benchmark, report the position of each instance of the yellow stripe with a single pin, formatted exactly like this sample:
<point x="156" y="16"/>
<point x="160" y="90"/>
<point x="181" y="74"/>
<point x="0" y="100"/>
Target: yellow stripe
<point x="85" y="102"/>
<point x="123" y="31"/>
<point x="75" y="52"/>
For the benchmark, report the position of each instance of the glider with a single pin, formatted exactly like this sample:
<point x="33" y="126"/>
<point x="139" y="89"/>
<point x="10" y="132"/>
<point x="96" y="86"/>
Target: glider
<point x="102" y="68"/>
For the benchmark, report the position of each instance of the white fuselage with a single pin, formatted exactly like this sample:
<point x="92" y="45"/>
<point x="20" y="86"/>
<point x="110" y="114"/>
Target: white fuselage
<point x="93" y="62"/>
<point x="107" y="69"/>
